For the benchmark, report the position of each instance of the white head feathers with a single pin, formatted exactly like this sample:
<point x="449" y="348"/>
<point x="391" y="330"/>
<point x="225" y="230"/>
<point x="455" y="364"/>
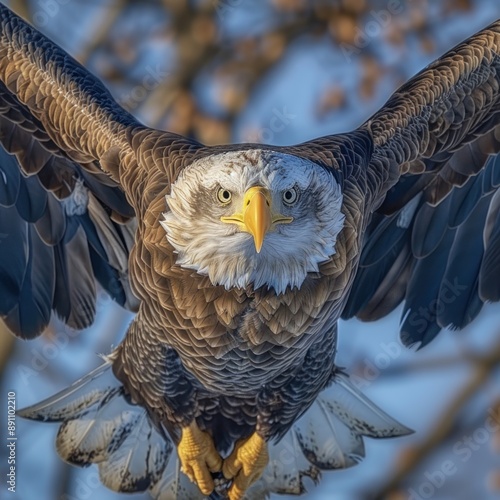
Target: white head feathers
<point x="227" y="255"/>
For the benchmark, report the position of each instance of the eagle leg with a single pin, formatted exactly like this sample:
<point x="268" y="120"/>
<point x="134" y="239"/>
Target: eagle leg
<point x="199" y="457"/>
<point x="245" y="465"/>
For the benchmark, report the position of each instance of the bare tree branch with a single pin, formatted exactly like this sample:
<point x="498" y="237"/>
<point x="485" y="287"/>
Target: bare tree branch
<point x="483" y="368"/>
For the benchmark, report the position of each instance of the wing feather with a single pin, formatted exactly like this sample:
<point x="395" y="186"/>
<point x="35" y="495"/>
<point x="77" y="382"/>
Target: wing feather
<point x="54" y="242"/>
<point x="51" y="226"/>
<point x="489" y="282"/>
<point x="429" y="227"/>
<point x="71" y="143"/>
<point x="14" y="251"/>
<point x="32" y="310"/>
<point x="31" y="200"/>
<point x="433" y="142"/>
<point x="451" y="105"/>
<point x="452" y="266"/>
<point x="459" y="287"/>
<point x="10" y="180"/>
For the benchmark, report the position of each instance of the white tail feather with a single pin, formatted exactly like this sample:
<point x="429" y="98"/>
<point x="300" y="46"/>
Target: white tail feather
<point x="286" y="471"/>
<point x="174" y="484"/>
<point x="139" y="461"/>
<point x="358" y="412"/>
<point x="75" y="399"/>
<point x="100" y="425"/>
<point x="328" y="436"/>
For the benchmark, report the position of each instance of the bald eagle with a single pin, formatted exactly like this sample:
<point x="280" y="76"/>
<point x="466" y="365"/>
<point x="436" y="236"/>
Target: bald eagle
<point x="239" y="261"/>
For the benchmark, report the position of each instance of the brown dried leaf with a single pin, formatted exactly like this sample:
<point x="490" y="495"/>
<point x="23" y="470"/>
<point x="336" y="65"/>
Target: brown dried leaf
<point x="289" y="5"/>
<point x="397" y="495"/>
<point x="427" y="44"/>
<point x="273" y="46"/>
<point x="204" y="30"/>
<point x="182" y="113"/>
<point x="371" y="75"/>
<point x="494" y="481"/>
<point x="232" y="97"/>
<point x="356" y="7"/>
<point x="332" y="98"/>
<point x="394" y="34"/>
<point x="451" y="6"/>
<point x="342" y="28"/>
<point x="212" y="131"/>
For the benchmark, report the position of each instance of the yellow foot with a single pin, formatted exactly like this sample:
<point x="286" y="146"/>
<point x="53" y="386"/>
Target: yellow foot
<point x="199" y="457"/>
<point x="245" y="465"/>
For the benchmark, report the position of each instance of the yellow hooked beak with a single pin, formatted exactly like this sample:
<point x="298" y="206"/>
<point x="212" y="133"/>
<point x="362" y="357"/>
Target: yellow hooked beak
<point x="256" y="216"/>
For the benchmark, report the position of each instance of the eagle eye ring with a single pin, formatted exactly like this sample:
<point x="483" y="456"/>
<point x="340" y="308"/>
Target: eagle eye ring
<point x="224" y="195"/>
<point x="290" y="196"/>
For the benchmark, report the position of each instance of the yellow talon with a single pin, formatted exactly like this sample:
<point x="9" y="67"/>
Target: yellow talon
<point x="245" y="465"/>
<point x="199" y="457"/>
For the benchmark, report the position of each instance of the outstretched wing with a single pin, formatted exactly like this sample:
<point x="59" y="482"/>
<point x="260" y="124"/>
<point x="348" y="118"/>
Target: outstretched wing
<point x="63" y="221"/>
<point x="434" y="240"/>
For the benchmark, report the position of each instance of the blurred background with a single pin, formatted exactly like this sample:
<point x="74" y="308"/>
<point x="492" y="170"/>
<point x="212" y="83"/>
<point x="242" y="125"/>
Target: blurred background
<point x="279" y="72"/>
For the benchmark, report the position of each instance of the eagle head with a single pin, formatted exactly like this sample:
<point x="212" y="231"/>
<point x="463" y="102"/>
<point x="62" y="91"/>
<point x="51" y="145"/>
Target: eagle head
<point x="254" y="218"/>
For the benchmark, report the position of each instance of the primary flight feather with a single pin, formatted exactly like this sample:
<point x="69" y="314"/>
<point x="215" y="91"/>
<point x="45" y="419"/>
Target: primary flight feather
<point x="239" y="260"/>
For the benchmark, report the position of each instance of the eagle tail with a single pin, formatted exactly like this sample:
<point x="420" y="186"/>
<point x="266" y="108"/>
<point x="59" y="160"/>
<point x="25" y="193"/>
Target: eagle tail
<point x="100" y="425"/>
<point x="329" y="435"/>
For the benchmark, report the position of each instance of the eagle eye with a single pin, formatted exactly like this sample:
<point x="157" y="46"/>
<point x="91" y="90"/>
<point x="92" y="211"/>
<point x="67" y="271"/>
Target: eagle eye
<point x="224" y="195"/>
<point x="290" y="196"/>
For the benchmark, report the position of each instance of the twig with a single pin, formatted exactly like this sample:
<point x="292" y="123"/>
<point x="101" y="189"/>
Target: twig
<point x="444" y="427"/>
